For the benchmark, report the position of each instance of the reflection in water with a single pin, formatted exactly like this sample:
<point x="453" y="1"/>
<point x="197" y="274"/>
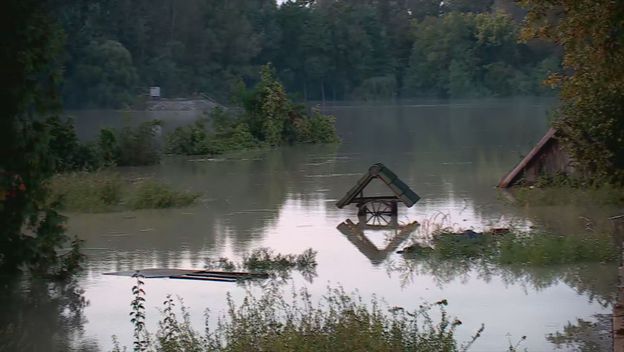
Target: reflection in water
<point x="592" y="273"/>
<point x="452" y="153"/>
<point x="585" y="336"/>
<point x="39" y="315"/>
<point x="394" y="234"/>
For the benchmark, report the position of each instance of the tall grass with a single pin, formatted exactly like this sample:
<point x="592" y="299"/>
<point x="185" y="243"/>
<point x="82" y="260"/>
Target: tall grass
<point x="154" y="195"/>
<point x="87" y="192"/>
<point x="104" y="191"/>
<point x="339" y="322"/>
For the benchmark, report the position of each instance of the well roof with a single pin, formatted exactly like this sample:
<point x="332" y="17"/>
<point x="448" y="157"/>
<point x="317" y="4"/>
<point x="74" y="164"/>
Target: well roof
<point x="402" y="191"/>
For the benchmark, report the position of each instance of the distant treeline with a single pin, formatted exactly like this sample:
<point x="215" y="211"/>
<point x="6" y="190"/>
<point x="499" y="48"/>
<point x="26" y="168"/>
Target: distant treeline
<point x="323" y="49"/>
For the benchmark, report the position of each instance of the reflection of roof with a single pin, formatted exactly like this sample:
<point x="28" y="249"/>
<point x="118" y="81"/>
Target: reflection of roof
<point x="401" y="191"/>
<point x="355" y="234"/>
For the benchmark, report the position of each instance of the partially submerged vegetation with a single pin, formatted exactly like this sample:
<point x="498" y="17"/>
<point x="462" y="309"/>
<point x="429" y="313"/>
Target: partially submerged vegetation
<point x="569" y="193"/>
<point x="128" y="146"/>
<point x="268" y="118"/>
<point x="276" y="264"/>
<point x="108" y="191"/>
<point x="538" y="249"/>
<point x="339" y="322"/>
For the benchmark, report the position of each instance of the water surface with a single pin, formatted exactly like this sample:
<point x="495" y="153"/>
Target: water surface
<point x="451" y="153"/>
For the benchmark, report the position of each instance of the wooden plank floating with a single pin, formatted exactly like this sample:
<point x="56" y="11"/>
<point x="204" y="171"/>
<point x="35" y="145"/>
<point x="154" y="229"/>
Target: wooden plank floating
<point x="204" y="275"/>
<point x="203" y="278"/>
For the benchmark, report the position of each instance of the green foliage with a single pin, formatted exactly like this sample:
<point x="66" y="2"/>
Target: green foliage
<point x="467" y="54"/>
<point x="321" y="50"/>
<point x="189" y="140"/>
<point x="87" y="192"/>
<point x="95" y="192"/>
<point x="103" y="76"/>
<point x="275" y="120"/>
<point x="69" y="153"/>
<point x="32" y="231"/>
<point x="278" y="266"/>
<point x="267" y="109"/>
<point x="535" y="249"/>
<point x="127" y="147"/>
<point x="549" y="191"/>
<point x="317" y="129"/>
<point x="229" y="134"/>
<point x="263" y="259"/>
<point x="590" y="118"/>
<point x="340" y="322"/>
<point x="269" y="118"/>
<point x="108" y="147"/>
<point x="141" y="338"/>
<point x="137" y="146"/>
<point x="153" y="195"/>
<point x="551" y="250"/>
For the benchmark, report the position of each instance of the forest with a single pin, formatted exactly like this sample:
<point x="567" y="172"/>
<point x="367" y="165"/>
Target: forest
<point x="321" y="50"/>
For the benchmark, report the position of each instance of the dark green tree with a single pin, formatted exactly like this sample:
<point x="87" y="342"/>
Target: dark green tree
<point x="32" y="231"/>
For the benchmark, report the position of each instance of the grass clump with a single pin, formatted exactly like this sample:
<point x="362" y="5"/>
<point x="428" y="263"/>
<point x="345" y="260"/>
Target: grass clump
<point x="276" y="265"/>
<point x="155" y="195"/>
<point x="536" y="249"/>
<point x="339" y="322"/>
<point x="96" y="192"/>
<point x="264" y="259"/>
<point x="87" y="192"/>
<point x="545" y="249"/>
<point x="561" y="189"/>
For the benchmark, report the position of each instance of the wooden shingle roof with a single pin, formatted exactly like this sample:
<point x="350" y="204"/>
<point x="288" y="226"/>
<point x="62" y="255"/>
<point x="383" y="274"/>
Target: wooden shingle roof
<point x="401" y="192"/>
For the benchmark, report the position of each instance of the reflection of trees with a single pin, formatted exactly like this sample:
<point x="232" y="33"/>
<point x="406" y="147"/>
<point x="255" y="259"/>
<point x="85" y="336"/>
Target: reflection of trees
<point x="592" y="278"/>
<point x="39" y="315"/>
<point x="242" y="196"/>
<point x="585" y="336"/>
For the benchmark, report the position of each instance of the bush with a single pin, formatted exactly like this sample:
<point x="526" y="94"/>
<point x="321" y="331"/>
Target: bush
<point x="68" y="152"/>
<point x="270" y="118"/>
<point x="340" y="322"/>
<point x="138" y="146"/>
<point x="537" y="249"/>
<point x="128" y="147"/>
<point x="154" y="195"/>
<point x="87" y="192"/>
<point x="105" y="192"/>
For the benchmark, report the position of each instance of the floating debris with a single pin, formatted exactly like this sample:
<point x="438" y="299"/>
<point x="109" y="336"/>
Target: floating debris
<point x="187" y="274"/>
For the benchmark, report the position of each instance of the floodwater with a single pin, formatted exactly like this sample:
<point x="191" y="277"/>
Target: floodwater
<point x="451" y="153"/>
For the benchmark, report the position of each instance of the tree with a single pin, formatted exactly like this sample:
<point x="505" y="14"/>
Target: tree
<point x="267" y="107"/>
<point x="32" y="231"/>
<point x="105" y="75"/>
<point x="590" y="119"/>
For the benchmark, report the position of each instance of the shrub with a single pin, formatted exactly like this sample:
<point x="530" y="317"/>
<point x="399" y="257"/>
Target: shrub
<point x="154" y="195"/>
<point x="340" y="322"/>
<point x="87" y="192"/>
<point x="69" y="153"/>
<point x="269" y="118"/>
<point x="138" y="146"/>
<point x="189" y="140"/>
<point x="105" y="191"/>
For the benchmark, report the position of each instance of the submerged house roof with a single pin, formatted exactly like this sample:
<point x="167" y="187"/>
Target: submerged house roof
<point x="401" y="192"/>
<point x="546" y="158"/>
